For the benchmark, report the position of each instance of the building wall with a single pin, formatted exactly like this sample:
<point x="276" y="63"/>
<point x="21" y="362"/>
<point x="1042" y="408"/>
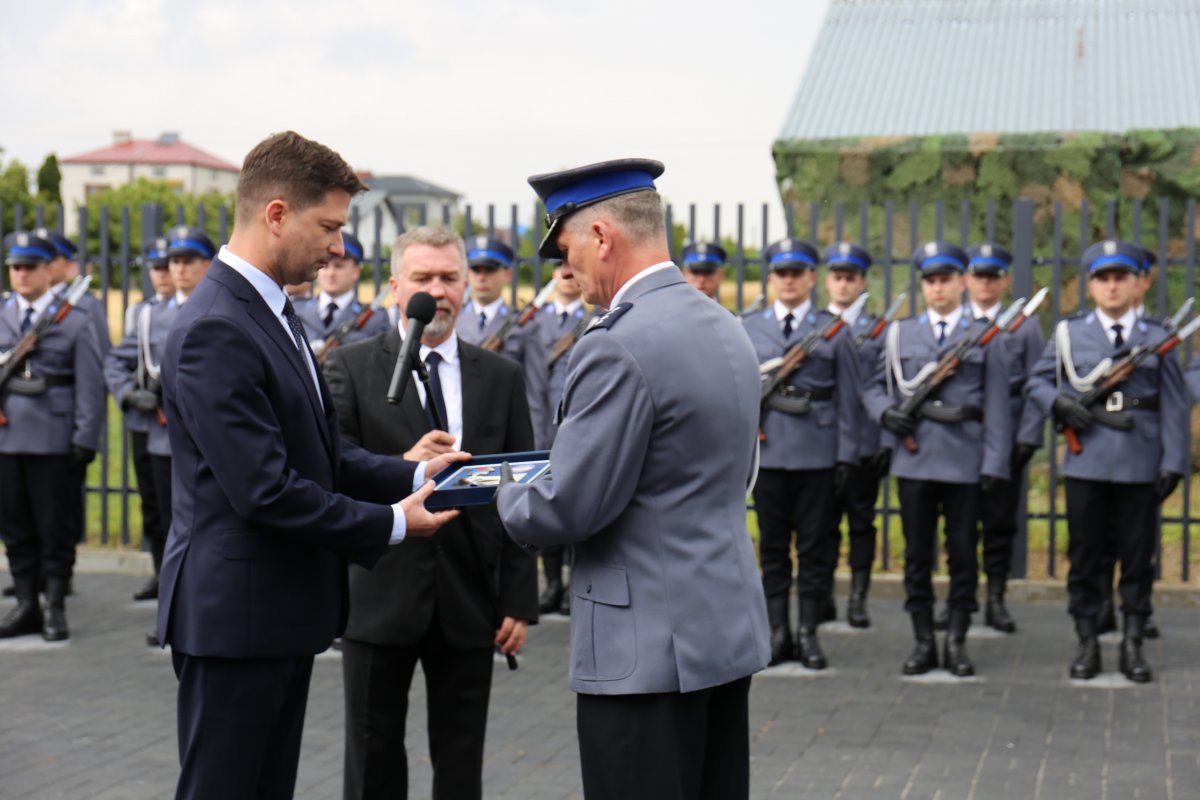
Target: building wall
<point x="80" y="181"/>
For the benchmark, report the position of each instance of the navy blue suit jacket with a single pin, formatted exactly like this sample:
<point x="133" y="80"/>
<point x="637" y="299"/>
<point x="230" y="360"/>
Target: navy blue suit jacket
<point x="268" y="503"/>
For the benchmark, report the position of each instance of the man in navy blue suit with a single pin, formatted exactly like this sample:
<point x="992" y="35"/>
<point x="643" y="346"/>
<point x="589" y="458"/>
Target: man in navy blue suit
<point x="269" y="505"/>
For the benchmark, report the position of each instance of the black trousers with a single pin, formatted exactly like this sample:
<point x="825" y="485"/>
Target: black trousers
<point x="154" y="532"/>
<point x="672" y="746"/>
<point x="458" y="684"/>
<point x="857" y="503"/>
<point x="75" y="502"/>
<point x="36" y="495"/>
<point x="1100" y="516"/>
<point x="240" y="721"/>
<point x="160" y="473"/>
<point x="801" y="501"/>
<point x="922" y="503"/>
<point x="998" y="524"/>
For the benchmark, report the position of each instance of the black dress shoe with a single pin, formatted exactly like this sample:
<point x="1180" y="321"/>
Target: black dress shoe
<point x="149" y="591"/>
<point x="152" y="639"/>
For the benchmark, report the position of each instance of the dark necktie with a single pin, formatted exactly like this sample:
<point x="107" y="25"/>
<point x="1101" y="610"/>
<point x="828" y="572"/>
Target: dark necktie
<point x="787" y="325"/>
<point x="562" y="319"/>
<point x="941" y="331"/>
<point x="435" y="392"/>
<point x="1118" y="339"/>
<point x="330" y="310"/>
<point x="27" y="321"/>
<point x="482" y="321"/>
<point x="294" y="325"/>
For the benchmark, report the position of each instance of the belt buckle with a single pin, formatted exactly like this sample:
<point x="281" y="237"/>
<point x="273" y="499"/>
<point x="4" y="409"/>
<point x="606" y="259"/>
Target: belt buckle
<point x="1115" y="402"/>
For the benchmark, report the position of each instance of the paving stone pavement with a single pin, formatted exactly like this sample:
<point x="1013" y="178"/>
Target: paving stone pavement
<point x="94" y="718"/>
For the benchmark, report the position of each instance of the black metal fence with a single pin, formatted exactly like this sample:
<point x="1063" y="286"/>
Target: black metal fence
<point x="1044" y="239"/>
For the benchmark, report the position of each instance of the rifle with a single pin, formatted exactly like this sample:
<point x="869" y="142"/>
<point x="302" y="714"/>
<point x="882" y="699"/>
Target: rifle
<point x="1118" y="373"/>
<point x="1029" y="309"/>
<point x="881" y="324"/>
<point x="497" y="339"/>
<point x="777" y="370"/>
<point x="1180" y="315"/>
<point x="754" y="307"/>
<point x="949" y="363"/>
<point x="569" y="338"/>
<point x="11" y="360"/>
<point x="340" y="333"/>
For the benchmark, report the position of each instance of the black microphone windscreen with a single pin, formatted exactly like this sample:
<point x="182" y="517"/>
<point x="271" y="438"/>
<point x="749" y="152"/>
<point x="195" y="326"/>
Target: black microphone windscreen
<point x="421" y="307"/>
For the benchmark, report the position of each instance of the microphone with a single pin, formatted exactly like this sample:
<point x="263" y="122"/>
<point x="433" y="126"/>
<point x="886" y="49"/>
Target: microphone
<point x="420" y="311"/>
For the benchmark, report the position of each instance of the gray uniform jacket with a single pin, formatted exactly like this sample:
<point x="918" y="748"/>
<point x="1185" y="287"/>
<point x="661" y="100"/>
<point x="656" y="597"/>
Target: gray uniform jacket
<point x="121" y="366"/>
<point x="1159" y="439"/>
<point x="1024" y="348"/>
<point x="309" y="312"/>
<point x="67" y="414"/>
<point x="550" y="328"/>
<point x="1193" y="377"/>
<point x="949" y="452"/>
<point x="92" y="307"/>
<point x="650" y="469"/>
<point x="521" y="346"/>
<point x="121" y="369"/>
<point x="869" y="432"/>
<point x="829" y="432"/>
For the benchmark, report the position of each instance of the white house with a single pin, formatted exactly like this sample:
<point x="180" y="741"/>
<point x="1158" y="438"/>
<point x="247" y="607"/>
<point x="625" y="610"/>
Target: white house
<point x="396" y="203"/>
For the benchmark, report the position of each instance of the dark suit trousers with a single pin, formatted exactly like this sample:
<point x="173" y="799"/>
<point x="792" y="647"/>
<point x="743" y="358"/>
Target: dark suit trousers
<point x="377" y="679"/>
<point x="154" y="533"/>
<point x="240" y="721"/>
<point x="801" y="501"/>
<point x="36" y="494"/>
<point x="857" y="503"/>
<point x="669" y="746"/>
<point x="998" y="522"/>
<point x="1101" y="516"/>
<point x="922" y="503"/>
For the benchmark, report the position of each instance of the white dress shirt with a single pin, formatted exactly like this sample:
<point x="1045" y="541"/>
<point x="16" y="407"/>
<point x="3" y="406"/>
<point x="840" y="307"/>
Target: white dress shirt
<point x="569" y="309"/>
<point x="343" y="301"/>
<point x="990" y="314"/>
<point x="39" y="306"/>
<point x="798" y="313"/>
<point x="450" y="376"/>
<point x="1126" y="321"/>
<point x="489" y="311"/>
<point x="952" y="319"/>
<point x="650" y="270"/>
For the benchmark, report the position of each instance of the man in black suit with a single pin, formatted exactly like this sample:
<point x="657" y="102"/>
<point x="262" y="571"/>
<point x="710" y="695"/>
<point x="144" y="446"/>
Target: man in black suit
<point x="443" y="602"/>
<point x="268" y="503"/>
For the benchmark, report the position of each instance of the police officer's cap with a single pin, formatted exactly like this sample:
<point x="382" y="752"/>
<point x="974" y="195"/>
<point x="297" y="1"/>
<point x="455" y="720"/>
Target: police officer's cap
<point x="1113" y="254"/>
<point x="154" y="252"/>
<point x="1149" y="258"/>
<point x="989" y="259"/>
<point x="937" y="258"/>
<point x="703" y="257"/>
<point x="187" y="241"/>
<point x="486" y="252"/>
<point x="63" y="246"/>
<point x="564" y="193"/>
<point x="27" y="248"/>
<point x="790" y="254"/>
<point x="352" y="246"/>
<point x="847" y="256"/>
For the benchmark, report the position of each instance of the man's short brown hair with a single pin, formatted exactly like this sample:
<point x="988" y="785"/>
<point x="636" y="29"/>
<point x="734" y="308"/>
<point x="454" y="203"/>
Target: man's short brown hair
<point x="290" y="167"/>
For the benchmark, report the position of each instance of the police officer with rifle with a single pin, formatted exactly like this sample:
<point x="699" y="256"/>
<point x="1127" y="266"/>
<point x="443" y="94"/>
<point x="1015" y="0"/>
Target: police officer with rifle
<point x="335" y="317"/>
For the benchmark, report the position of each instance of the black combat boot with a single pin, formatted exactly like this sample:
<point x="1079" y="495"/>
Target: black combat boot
<point x="856" y="609"/>
<point x="55" y="627"/>
<point x="1151" y="631"/>
<point x="996" y="615"/>
<point x="1087" y="662"/>
<point x="924" y="654"/>
<point x="1133" y="666"/>
<point x="808" y="647"/>
<point x="27" y="616"/>
<point x="955" y="659"/>
<point x="827" y="609"/>
<point x="942" y="620"/>
<point x="552" y="595"/>
<point x="781" y="629"/>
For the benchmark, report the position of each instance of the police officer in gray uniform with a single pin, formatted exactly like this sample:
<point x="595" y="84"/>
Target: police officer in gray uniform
<point x="704" y="267"/>
<point x="963" y="436"/>
<point x="810" y="444"/>
<point x="1134" y="448"/>
<point x="53" y="408"/>
<point x="337" y="302"/>
<point x="650" y="469"/>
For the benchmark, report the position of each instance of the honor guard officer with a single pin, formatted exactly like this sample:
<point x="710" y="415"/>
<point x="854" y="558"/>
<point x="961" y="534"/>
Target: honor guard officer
<point x="1134" y="448"/>
<point x="962" y="437"/>
<point x="704" y="267"/>
<point x="337" y="302"/>
<point x="987" y="280"/>
<point x="54" y="407"/>
<point x="64" y="269"/>
<point x="811" y="430"/>
<point x="127" y="376"/>
<point x="490" y="264"/>
<point x="558" y="326"/>
<point x="846" y="267"/>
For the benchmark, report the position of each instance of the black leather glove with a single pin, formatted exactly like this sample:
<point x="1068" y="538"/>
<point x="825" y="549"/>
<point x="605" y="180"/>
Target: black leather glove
<point x="1070" y="412"/>
<point x="81" y="456"/>
<point x="898" y="422"/>
<point x="988" y="483"/>
<point x="1021" y="454"/>
<point x="881" y="462"/>
<point x="843" y="474"/>
<point x="1167" y="482"/>
<point x="143" y="400"/>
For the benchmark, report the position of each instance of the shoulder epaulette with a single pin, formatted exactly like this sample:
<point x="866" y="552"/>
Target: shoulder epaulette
<point x="610" y="317"/>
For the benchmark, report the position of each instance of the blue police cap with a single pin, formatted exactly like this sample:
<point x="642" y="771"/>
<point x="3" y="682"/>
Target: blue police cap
<point x="486" y="252"/>
<point x="28" y="248"/>
<point x="936" y="258"/>
<point x="790" y="254"/>
<point x="988" y="259"/>
<point x="154" y="252"/>
<point x="1113" y="254"/>
<point x="703" y="257"/>
<point x="1149" y="258"/>
<point x="847" y="256"/>
<point x="352" y="246"/>
<point x="188" y="241"/>
<point x="564" y="193"/>
<point x="63" y="246"/>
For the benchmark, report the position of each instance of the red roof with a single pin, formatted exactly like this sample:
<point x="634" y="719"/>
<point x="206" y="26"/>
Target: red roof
<point x="149" y="151"/>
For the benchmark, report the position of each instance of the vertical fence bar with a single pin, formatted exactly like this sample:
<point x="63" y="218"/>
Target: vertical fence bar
<point x="60" y="218"/>
<point x="990" y="221"/>
<point x="3" y="272"/>
<point x="18" y="217"/>
<point x="839" y="223"/>
<point x="691" y="237"/>
<point x="223" y="222"/>
<point x="716" y="237"/>
<point x="1084" y="237"/>
<point x="201" y="216"/>
<point x="1022" y="275"/>
<point x="104" y="261"/>
<point x="1052" y="451"/>
<point x="669" y="222"/>
<point x="886" y="483"/>
<point x="39" y="215"/>
<point x="516" y="246"/>
<point x="446" y="216"/>
<point x="939" y="219"/>
<point x="914" y="241"/>
<point x="468" y="223"/>
<point x="762" y="251"/>
<point x="105" y="286"/>
<point x="1161" y="248"/>
<point x="491" y="219"/>
<point x="964" y="224"/>
<point x="1110" y="219"/>
<point x="180" y="217"/>
<point x="789" y="219"/>
<point x="814" y="219"/>
<point x="377" y="265"/>
<point x="1190" y="280"/>
<point x="740" y="257"/>
<point x="864" y="222"/>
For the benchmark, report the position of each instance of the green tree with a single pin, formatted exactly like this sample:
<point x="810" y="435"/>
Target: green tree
<point x="49" y="177"/>
<point x="14" y="190"/>
<point x="144" y="195"/>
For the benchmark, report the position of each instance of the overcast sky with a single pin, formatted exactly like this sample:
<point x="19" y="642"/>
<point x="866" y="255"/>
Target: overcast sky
<point x="471" y="95"/>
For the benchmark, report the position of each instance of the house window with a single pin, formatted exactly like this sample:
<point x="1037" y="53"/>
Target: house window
<point x="158" y="172"/>
<point x="91" y="188"/>
<point x="97" y="169"/>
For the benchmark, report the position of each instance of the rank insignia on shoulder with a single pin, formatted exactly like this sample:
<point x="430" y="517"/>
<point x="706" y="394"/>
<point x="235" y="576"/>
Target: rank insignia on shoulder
<point x="610" y="317"/>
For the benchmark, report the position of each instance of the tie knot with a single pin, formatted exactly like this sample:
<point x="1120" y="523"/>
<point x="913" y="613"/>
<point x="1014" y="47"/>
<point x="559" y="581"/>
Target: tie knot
<point x="434" y="358"/>
<point x="1118" y="327"/>
<point x="790" y="318"/>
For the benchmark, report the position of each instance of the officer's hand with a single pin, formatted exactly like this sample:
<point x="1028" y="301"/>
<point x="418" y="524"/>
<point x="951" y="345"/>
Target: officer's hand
<point x="898" y="422"/>
<point x="843" y="474"/>
<point x="142" y="400"/>
<point x="81" y="456"/>
<point x="1020" y="457"/>
<point x="881" y="462"/>
<point x="420" y="521"/>
<point x="988" y="483"/>
<point x="511" y="635"/>
<point x="1072" y="413"/>
<point x="438" y="463"/>
<point x="434" y="443"/>
<point x="1166" y="483"/>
